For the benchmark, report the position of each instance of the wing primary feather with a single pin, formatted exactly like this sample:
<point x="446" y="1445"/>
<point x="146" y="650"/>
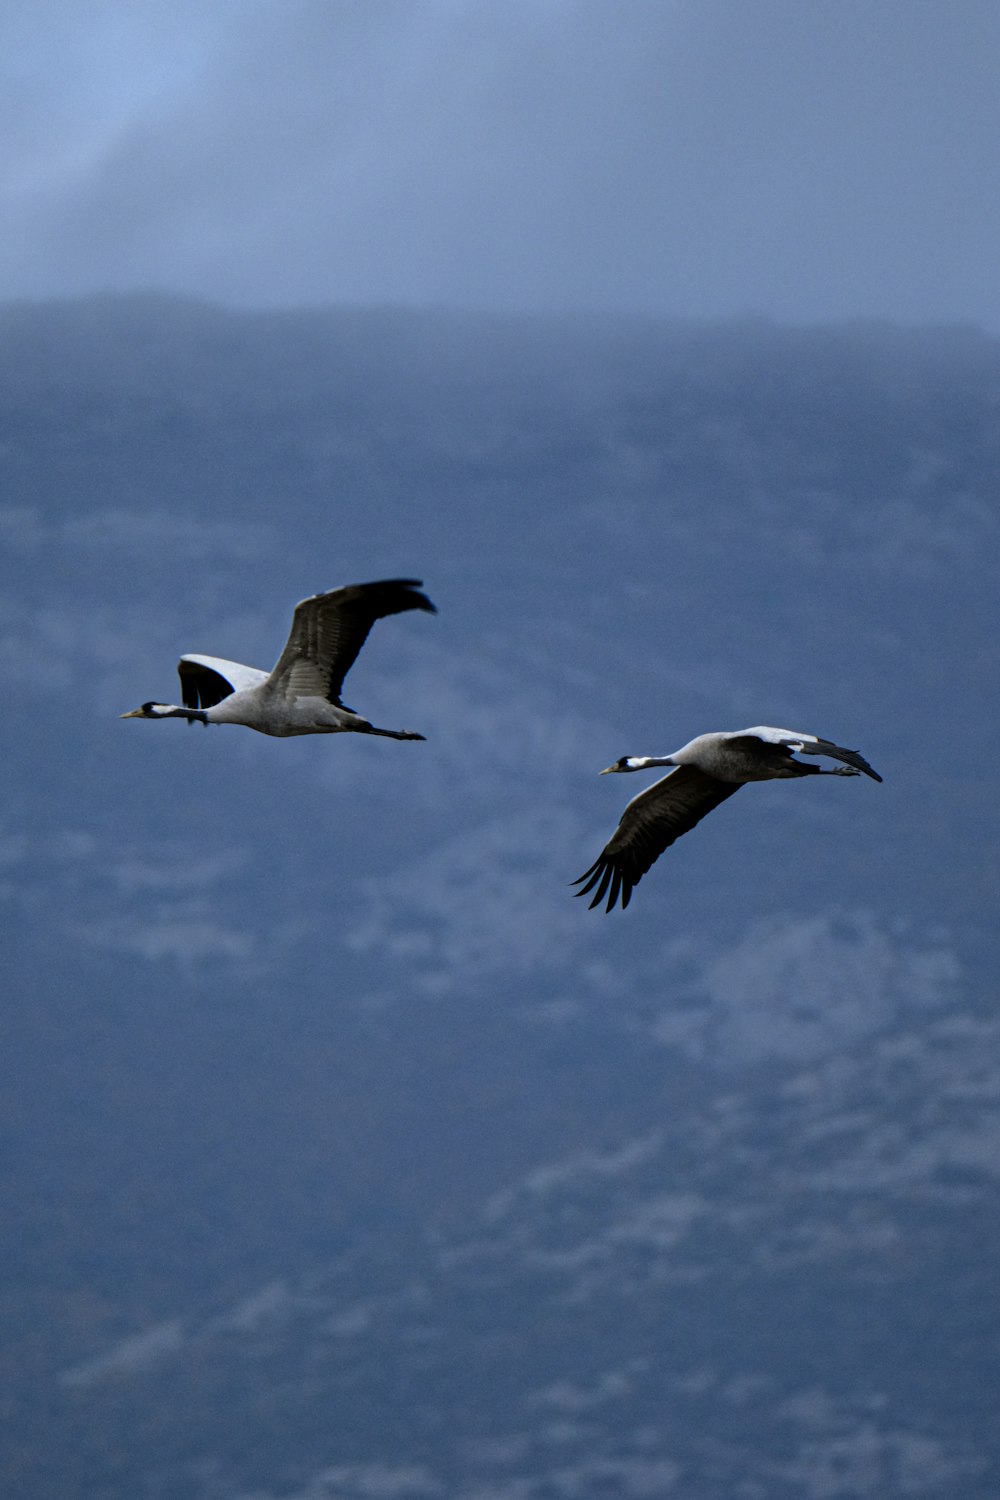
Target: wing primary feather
<point x="591" y="876"/>
<point x="602" y="885"/>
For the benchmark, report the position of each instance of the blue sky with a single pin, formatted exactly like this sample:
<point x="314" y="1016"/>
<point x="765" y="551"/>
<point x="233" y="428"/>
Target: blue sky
<point x="708" y="158"/>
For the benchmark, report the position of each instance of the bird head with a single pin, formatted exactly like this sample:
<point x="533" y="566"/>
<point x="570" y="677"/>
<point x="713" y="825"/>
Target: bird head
<point x="638" y="763"/>
<point x="149" y="711"/>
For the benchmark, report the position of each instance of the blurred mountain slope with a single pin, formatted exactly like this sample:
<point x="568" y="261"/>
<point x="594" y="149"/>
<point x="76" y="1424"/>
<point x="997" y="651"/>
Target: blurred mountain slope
<point x="345" y="1154"/>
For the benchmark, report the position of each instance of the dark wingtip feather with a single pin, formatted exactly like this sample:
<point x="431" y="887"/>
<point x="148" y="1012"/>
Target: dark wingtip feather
<point x="610" y="882"/>
<point x="602" y="887"/>
<point x="418" y="600"/>
<point x="860" y="764"/>
<point x="591" y="876"/>
<point x="840" y="752"/>
<point x="414" y="599"/>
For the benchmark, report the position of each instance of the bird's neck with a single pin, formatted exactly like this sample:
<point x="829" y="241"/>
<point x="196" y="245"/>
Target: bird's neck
<point x="647" y="762"/>
<point x="174" y="711"/>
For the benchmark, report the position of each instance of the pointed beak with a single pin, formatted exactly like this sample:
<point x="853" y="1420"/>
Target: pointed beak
<point x="133" y="713"/>
<point x="607" y="770"/>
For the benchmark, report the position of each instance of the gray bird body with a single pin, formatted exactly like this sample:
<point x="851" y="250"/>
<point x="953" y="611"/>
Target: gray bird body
<point x="302" y="693"/>
<point x="707" y="770"/>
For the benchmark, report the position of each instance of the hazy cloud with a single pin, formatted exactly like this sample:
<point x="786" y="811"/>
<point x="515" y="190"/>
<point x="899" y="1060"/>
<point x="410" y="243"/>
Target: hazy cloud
<point x="485" y="904"/>
<point x="132" y="1356"/>
<point x="141" y="533"/>
<point x="798" y="987"/>
<point x="189" y="941"/>
<point x="692" y="157"/>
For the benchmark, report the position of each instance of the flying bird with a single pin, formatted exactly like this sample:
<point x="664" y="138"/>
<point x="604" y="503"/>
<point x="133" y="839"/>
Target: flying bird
<point x="302" y="694"/>
<point x="708" y="770"/>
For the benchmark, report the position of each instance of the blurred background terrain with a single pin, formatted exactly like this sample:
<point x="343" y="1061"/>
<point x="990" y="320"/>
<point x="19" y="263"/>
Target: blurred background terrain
<point x="345" y="1154"/>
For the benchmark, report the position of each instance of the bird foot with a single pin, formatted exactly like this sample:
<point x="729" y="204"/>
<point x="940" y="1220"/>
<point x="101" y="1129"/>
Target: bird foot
<point x="846" y="771"/>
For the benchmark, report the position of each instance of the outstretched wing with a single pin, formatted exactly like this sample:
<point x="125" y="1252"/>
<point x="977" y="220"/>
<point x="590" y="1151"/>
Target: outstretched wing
<point x="206" y="680"/>
<point x="812" y="746"/>
<point x="329" y="630"/>
<point x="804" y="744"/>
<point x="651" y="823"/>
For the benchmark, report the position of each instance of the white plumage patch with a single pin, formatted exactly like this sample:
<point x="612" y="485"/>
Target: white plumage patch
<point x="772" y="736"/>
<point x="234" y="672"/>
